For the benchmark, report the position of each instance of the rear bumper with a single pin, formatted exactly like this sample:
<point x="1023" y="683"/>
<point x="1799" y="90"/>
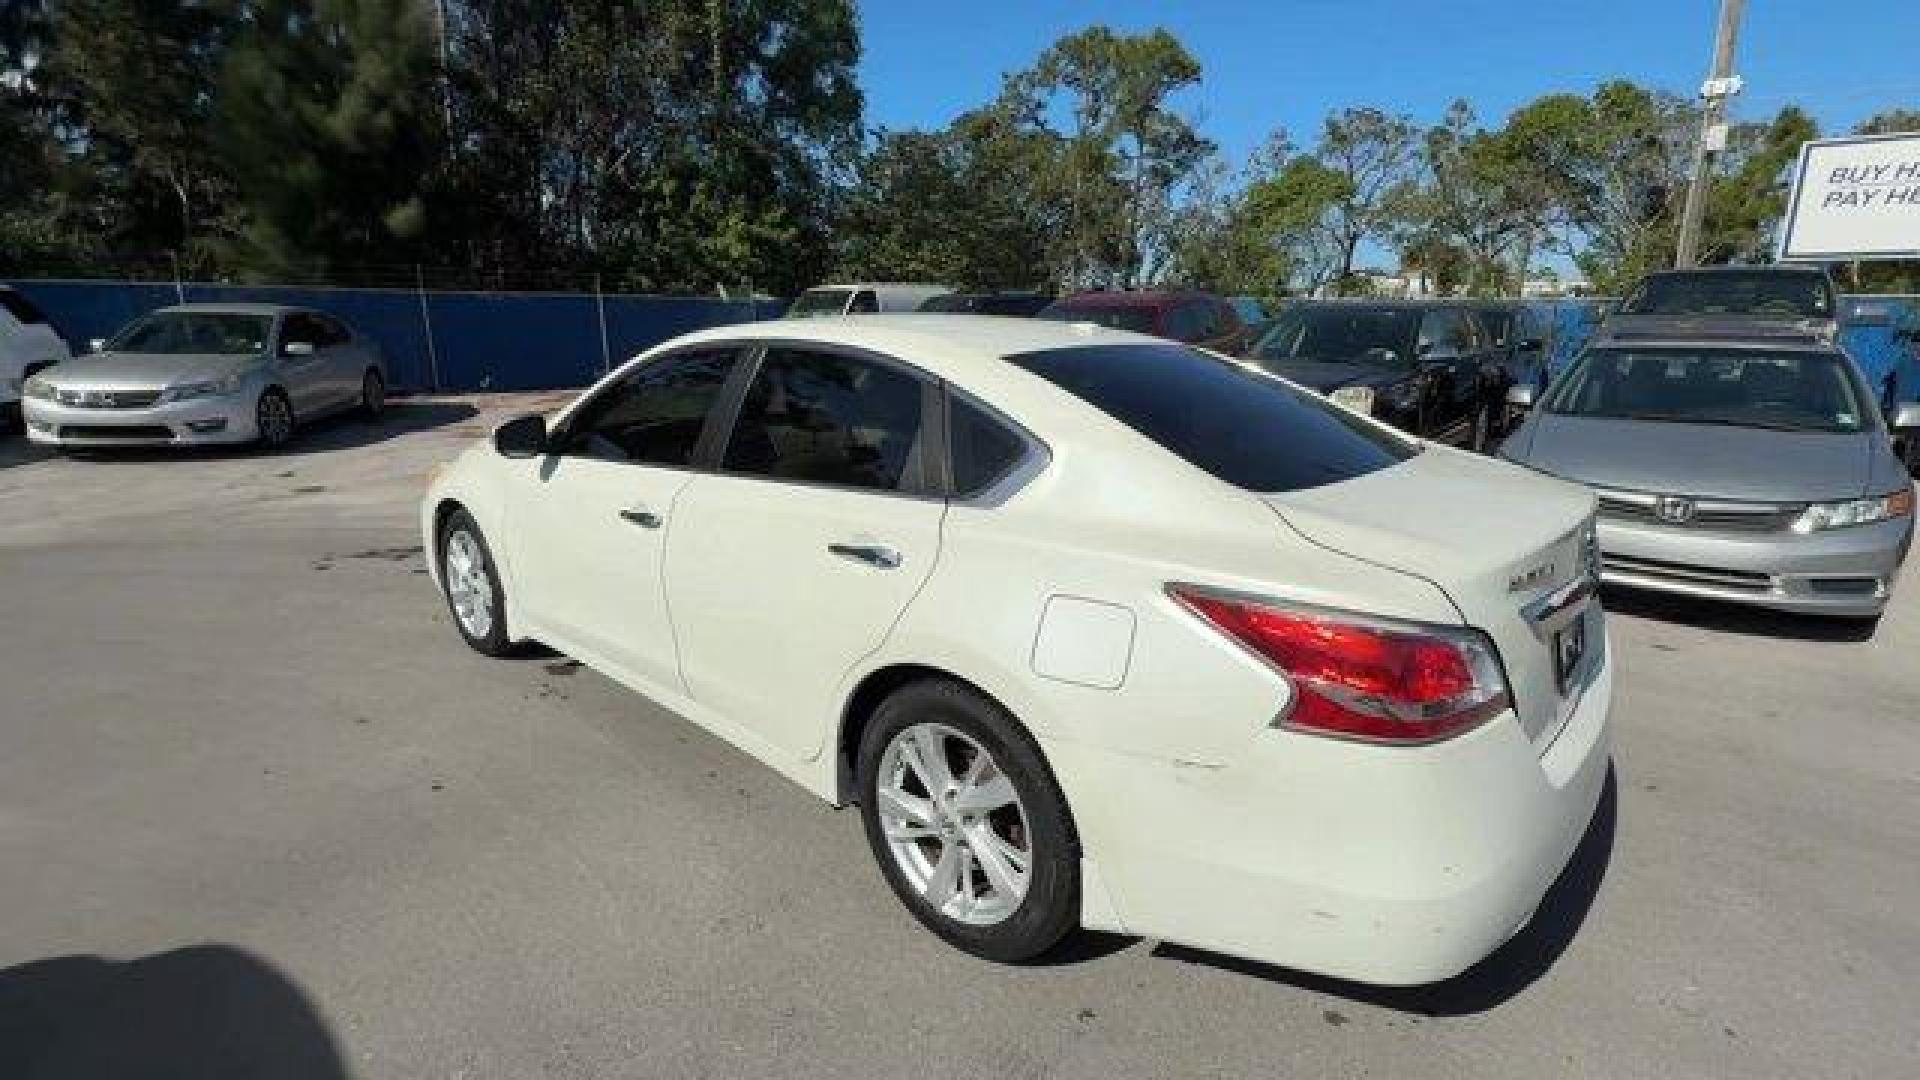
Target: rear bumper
<point x="1385" y="865"/>
<point x="202" y="421"/>
<point x="1848" y="573"/>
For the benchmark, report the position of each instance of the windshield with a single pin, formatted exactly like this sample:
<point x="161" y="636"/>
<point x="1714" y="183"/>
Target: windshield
<point x="1769" y="293"/>
<point x="815" y="302"/>
<point x="175" y="333"/>
<point x="1243" y="426"/>
<point x="1791" y="391"/>
<point x="1340" y="334"/>
<point x="1136" y="318"/>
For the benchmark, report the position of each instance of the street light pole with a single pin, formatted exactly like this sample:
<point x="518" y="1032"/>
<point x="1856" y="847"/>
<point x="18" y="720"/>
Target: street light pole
<point x="1720" y="85"/>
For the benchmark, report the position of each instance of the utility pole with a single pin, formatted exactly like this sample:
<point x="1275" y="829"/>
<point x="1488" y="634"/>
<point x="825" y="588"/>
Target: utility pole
<point x="1720" y="85"/>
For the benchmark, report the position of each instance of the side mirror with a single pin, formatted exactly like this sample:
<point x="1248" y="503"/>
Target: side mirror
<point x="521" y="437"/>
<point x="96" y="344"/>
<point x="296" y="348"/>
<point x="1520" y="396"/>
<point x="1906" y="416"/>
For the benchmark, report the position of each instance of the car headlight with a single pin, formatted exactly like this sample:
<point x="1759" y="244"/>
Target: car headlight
<point x="1357" y="398"/>
<point x="38" y="388"/>
<point x="189" y="391"/>
<point x="1838" y="515"/>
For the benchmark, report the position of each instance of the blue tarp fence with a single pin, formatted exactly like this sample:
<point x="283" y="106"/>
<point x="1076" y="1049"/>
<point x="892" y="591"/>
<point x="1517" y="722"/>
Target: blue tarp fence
<point x="1877" y="331"/>
<point x="434" y="340"/>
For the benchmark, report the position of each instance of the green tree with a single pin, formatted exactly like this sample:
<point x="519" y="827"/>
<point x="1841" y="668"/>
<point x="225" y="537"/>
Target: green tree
<point x="132" y="83"/>
<point x="328" y="128"/>
<point x="1125" y="154"/>
<point x="1890" y="122"/>
<point x="1748" y="195"/>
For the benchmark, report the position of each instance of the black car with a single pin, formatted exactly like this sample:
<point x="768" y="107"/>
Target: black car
<point x="1019" y="305"/>
<point x="1427" y="367"/>
<point x="1521" y="336"/>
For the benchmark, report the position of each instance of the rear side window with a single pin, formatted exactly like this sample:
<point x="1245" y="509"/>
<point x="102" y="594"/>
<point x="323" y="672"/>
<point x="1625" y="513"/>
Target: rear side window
<point x="982" y="448"/>
<point x="655" y="415"/>
<point x="1245" y="428"/>
<point x="826" y="418"/>
<point x="20" y="308"/>
<point x="864" y="300"/>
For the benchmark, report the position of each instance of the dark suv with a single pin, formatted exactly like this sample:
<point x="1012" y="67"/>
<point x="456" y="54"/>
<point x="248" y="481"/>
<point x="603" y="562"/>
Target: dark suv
<point x="1195" y="318"/>
<point x="1426" y="367"/>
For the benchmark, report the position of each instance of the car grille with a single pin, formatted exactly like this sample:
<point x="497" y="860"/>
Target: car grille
<point x="1708" y="515"/>
<point x="108" y="399"/>
<point x="1743" y="580"/>
<point x="118" y="433"/>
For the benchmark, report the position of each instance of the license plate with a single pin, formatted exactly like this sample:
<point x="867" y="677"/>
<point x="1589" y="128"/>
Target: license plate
<point x="1569" y="648"/>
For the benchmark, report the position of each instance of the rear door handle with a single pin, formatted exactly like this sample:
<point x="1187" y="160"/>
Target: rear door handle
<point x="871" y="554"/>
<point x="646" y="519"/>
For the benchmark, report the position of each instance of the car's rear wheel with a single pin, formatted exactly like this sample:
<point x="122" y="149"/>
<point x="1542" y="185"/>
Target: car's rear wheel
<point x="471" y="583"/>
<point x="967" y="822"/>
<point x="273" y="418"/>
<point x="373" y="396"/>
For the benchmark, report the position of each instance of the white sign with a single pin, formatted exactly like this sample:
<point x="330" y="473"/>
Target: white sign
<point x="1855" y="198"/>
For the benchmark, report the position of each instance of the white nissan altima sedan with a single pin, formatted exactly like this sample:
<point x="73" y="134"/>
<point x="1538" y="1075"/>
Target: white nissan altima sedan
<point x="1097" y="630"/>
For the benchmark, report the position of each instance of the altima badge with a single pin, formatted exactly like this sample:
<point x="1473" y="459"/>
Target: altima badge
<point x="1532" y="579"/>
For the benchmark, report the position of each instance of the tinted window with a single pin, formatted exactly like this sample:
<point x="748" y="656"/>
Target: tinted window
<point x="1442" y="330"/>
<point x="1729" y="387"/>
<point x="20" y="308"/>
<point x="864" y="301"/>
<point x="331" y="332"/>
<point x="1190" y="320"/>
<point x="1133" y="317"/>
<point x="824" y="418"/>
<point x="954" y="302"/>
<point x="653" y="416"/>
<point x="1768" y="293"/>
<point x="982" y="448"/>
<point x="1499" y="326"/>
<point x="815" y="302"/>
<point x="1339" y="334"/>
<point x="1243" y="427"/>
<point x="299" y="328"/>
<point x="1017" y="306"/>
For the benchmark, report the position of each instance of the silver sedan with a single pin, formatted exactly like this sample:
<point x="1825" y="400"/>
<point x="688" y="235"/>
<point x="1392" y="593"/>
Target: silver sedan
<point x="207" y="374"/>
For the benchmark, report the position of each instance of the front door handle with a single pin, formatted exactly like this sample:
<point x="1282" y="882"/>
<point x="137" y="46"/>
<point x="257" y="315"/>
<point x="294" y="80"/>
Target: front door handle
<point x="646" y="519"/>
<point x="871" y="554"/>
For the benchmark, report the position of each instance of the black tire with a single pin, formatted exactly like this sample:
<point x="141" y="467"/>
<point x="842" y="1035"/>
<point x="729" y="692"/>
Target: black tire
<point x="272" y="433"/>
<point x="494" y="642"/>
<point x="1480" y="438"/>
<point x="373" y="396"/>
<point x="1051" y="908"/>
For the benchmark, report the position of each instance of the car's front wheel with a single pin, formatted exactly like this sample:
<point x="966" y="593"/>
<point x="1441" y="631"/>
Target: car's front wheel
<point x="273" y="418"/>
<point x="471" y="582"/>
<point x="967" y="822"/>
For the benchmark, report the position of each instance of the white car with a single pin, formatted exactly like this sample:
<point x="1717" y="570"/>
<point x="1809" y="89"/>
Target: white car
<point x="28" y="344"/>
<point x="1096" y="628"/>
<point x="862" y="298"/>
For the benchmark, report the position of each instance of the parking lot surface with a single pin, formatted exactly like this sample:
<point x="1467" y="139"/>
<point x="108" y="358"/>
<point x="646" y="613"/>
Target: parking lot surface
<point x="260" y="808"/>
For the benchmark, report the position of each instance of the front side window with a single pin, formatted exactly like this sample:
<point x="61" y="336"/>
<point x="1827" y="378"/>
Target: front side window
<point x="1793" y="391"/>
<point x="653" y="416"/>
<point x="179" y="333"/>
<point x="302" y="330"/>
<point x="1340" y="334"/>
<point x="864" y="301"/>
<point x="827" y="418"/>
<point x="1244" y="427"/>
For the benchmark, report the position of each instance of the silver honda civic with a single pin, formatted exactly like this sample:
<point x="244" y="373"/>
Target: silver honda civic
<point x="1735" y="465"/>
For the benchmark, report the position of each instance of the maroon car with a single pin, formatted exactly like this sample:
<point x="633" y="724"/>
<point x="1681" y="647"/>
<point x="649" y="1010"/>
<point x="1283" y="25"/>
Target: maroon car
<point x="1195" y="318"/>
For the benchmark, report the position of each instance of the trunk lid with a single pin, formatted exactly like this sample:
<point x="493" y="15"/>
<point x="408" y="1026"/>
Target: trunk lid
<point x="1503" y="543"/>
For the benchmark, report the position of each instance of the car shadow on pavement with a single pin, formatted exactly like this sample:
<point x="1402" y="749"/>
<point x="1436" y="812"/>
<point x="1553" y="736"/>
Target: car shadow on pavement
<point x="1510" y="969"/>
<point x="1726" y="618"/>
<point x="404" y="416"/>
<point x="205" y="1011"/>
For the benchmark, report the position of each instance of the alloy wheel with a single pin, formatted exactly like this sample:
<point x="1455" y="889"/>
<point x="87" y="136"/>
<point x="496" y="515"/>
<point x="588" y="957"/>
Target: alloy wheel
<point x="954" y="824"/>
<point x="274" y="418"/>
<point x="468" y="585"/>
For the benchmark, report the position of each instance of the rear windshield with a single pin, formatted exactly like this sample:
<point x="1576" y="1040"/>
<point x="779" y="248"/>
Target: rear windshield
<point x="1134" y="317"/>
<point x="1242" y="426"/>
<point x="1340" y="334"/>
<point x="1766" y="293"/>
<point x="815" y="302"/>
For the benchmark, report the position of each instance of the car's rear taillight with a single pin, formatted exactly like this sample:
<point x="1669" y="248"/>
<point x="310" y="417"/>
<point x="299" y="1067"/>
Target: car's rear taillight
<point x="1359" y="677"/>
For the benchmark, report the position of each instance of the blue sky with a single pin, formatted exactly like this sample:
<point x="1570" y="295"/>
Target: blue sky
<point x="1269" y="63"/>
